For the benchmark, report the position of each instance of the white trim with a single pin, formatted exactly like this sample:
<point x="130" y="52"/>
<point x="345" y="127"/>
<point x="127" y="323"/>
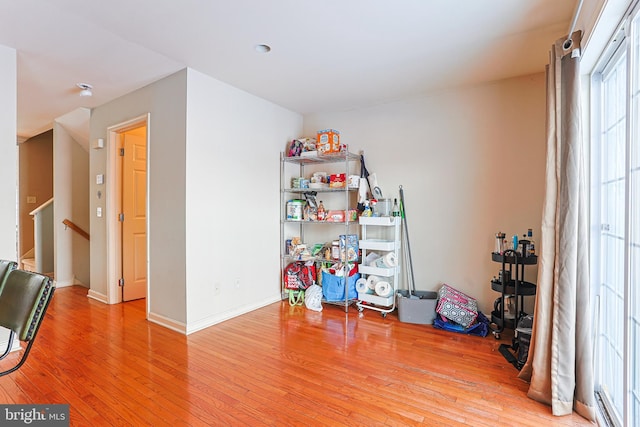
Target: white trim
<point x="167" y="323"/>
<point x="112" y="225"/>
<point x="41" y="207"/>
<point x="114" y="267"/>
<point x="604" y="24"/>
<point x="74" y="281"/>
<point x="221" y="317"/>
<point x="14" y="347"/>
<point x="97" y="296"/>
<point x="210" y="321"/>
<point x="620" y="43"/>
<point x="64" y="284"/>
<point x="4" y="340"/>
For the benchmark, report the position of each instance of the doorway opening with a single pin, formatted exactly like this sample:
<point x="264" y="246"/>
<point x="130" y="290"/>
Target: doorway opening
<point x="126" y="210"/>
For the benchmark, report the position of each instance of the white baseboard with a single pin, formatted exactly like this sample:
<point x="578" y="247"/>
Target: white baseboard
<point x="184" y="329"/>
<point x="65" y="283"/>
<point x="219" y="318"/>
<point x="167" y="323"/>
<point x="97" y="296"/>
<point x="62" y="284"/>
<point x="4" y="340"/>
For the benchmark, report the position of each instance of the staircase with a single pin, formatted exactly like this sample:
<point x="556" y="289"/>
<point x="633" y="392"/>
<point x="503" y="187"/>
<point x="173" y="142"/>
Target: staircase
<point x="40" y="258"/>
<point x="29" y="264"/>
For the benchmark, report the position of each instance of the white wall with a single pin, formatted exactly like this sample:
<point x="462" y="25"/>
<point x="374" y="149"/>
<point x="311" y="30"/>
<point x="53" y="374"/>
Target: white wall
<point x="232" y="199"/>
<point x="71" y="190"/>
<point x="471" y="162"/>
<point x="213" y="171"/>
<point x="8" y="161"/>
<point x="165" y="101"/>
<point x="8" y="153"/>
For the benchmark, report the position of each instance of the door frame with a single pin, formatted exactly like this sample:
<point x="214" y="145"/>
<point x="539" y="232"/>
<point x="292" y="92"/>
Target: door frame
<point x="113" y="209"/>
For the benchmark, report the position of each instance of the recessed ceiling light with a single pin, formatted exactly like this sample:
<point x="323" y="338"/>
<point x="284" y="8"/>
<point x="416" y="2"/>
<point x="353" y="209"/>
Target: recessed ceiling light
<point x="85" y="89"/>
<point x="263" y="48"/>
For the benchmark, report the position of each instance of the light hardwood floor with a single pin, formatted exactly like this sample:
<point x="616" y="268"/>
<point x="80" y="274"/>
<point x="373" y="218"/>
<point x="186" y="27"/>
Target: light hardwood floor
<point x="278" y="366"/>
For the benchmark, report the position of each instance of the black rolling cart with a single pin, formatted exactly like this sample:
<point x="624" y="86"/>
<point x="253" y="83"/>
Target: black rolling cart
<point x="510" y="283"/>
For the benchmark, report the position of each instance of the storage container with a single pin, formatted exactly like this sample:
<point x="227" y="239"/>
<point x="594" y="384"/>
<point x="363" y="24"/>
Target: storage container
<point x="421" y="310"/>
<point x="328" y="141"/>
<point x="383" y="207"/>
<point x="294" y="210"/>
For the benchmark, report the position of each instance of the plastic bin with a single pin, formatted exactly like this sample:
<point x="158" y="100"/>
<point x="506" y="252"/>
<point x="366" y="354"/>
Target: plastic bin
<point x="421" y="310"/>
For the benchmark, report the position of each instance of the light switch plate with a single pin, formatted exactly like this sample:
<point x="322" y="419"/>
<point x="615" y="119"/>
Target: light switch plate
<point x="100" y="179"/>
<point x="99" y="212"/>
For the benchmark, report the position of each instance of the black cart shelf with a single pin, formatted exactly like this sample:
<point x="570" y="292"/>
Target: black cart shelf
<point x="511" y="283"/>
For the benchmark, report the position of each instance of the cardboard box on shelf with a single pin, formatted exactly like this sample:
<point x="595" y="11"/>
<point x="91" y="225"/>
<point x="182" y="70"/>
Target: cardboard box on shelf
<point x="338" y="180"/>
<point x="328" y="141"/>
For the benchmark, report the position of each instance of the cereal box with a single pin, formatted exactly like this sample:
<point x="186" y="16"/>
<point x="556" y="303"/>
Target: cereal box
<point x="348" y="246"/>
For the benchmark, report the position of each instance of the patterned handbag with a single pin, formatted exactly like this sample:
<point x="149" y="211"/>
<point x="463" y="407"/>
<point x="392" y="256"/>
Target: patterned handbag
<point x="456" y="306"/>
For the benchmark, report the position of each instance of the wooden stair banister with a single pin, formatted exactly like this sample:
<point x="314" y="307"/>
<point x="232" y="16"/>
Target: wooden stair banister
<point x="75" y="228"/>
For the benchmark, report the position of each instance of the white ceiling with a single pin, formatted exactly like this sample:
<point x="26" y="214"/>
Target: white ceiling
<point x="327" y="55"/>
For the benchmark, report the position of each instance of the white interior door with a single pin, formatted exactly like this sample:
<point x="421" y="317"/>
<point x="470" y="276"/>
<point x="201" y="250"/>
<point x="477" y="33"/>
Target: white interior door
<point x="134" y="210"/>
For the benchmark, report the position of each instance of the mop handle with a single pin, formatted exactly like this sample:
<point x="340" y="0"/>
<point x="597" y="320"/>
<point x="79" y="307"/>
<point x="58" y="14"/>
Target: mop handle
<point x="406" y="262"/>
<point x="406" y="231"/>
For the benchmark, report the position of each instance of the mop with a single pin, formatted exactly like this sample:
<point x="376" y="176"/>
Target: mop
<point x="410" y="276"/>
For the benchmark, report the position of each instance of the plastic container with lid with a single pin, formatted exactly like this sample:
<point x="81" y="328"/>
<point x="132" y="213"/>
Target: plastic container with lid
<point x="335" y="249"/>
<point x="294" y="210"/>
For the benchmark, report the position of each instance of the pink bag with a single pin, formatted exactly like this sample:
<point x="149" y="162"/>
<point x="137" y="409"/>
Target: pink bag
<point x="456" y="306"/>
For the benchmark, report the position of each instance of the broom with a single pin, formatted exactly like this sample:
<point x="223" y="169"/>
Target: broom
<point x="403" y="214"/>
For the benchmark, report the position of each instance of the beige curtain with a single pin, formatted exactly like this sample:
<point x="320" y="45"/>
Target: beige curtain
<point x="559" y="366"/>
